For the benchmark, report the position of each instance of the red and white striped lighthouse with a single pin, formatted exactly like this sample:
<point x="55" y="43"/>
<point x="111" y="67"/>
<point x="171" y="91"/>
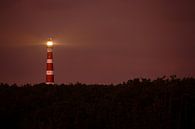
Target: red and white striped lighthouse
<point x="49" y="68"/>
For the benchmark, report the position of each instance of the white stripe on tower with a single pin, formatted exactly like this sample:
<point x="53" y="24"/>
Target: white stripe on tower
<point x="49" y="72"/>
<point x="49" y="61"/>
<point x="49" y="68"/>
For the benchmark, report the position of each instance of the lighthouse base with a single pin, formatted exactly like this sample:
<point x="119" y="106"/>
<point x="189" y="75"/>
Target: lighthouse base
<point x="49" y="83"/>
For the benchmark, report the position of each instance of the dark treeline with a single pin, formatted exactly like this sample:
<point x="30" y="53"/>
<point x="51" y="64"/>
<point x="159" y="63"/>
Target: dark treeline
<point x="135" y="104"/>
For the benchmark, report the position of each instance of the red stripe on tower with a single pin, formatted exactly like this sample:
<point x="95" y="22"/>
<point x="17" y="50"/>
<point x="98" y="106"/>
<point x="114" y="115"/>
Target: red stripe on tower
<point x="49" y="68"/>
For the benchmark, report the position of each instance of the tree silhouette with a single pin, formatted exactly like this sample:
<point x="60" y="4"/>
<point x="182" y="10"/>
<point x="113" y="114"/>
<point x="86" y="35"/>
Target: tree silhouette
<point x="164" y="103"/>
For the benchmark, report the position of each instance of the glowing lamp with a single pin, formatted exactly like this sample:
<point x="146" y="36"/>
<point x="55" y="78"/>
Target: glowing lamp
<point x="49" y="43"/>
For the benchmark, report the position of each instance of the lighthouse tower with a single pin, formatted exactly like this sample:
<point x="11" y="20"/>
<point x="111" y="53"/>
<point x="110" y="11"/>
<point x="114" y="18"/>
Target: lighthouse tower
<point x="49" y="66"/>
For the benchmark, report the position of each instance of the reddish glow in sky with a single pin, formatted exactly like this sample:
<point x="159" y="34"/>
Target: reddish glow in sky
<point x="101" y="41"/>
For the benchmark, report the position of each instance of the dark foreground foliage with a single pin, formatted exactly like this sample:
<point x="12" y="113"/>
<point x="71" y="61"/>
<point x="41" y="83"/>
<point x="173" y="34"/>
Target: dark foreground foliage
<point x="135" y="104"/>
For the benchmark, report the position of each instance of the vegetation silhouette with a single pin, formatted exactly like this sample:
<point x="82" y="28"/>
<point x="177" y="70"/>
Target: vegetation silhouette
<point x="164" y="103"/>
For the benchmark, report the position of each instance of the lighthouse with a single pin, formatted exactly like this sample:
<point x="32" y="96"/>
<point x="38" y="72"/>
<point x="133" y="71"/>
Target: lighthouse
<point x="49" y="64"/>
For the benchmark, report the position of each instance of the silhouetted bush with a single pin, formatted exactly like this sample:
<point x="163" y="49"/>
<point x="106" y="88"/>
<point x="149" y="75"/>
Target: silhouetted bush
<point x="135" y="104"/>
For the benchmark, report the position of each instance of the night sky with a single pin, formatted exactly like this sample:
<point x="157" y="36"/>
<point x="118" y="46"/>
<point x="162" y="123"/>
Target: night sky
<point x="97" y="41"/>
